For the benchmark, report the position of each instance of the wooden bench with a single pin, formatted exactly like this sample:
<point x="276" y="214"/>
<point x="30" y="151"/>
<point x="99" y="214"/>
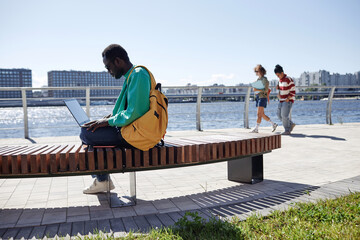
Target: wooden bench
<point x="244" y="153"/>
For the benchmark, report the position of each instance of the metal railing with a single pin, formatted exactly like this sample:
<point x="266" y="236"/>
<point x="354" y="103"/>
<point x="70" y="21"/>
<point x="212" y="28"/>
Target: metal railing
<point x="193" y="92"/>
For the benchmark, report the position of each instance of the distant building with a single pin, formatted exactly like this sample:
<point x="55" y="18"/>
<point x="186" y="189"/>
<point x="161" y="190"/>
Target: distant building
<point x="15" y="78"/>
<point x="81" y="79"/>
<point x="324" y="78"/>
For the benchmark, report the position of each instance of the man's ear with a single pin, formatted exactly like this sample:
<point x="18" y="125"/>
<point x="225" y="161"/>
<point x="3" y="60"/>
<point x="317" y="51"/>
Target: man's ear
<point x="119" y="62"/>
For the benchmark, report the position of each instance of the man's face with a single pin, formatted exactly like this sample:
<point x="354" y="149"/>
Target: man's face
<point x="115" y="68"/>
<point x="280" y="75"/>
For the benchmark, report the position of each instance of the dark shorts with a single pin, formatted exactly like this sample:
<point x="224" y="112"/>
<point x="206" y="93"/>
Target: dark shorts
<point x="261" y="102"/>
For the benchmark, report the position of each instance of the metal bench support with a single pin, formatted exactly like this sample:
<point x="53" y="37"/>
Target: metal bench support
<point x="123" y="201"/>
<point x="246" y="170"/>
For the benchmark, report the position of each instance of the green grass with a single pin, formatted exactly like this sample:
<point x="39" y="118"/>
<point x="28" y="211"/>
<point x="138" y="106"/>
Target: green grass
<point x="327" y="219"/>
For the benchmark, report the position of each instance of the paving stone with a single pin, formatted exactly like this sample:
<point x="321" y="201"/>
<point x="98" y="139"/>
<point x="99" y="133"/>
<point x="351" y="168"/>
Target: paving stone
<point x="65" y="229"/>
<point x="104" y="225"/>
<point x="10" y="233"/>
<point x="51" y="230"/>
<point x="78" y="228"/>
<point x="37" y="232"/>
<point x="142" y="223"/>
<point x="117" y="225"/>
<point x="130" y="224"/>
<point x="52" y="216"/>
<point x="154" y="221"/>
<point x="165" y="219"/>
<point x="23" y="233"/>
<point x="174" y="216"/>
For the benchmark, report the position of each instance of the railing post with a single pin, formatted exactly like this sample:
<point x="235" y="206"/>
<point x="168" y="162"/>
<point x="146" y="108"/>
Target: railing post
<point x="198" y="112"/>
<point x="246" y="108"/>
<point x="328" y="107"/>
<point x="88" y="101"/>
<point x="24" y="103"/>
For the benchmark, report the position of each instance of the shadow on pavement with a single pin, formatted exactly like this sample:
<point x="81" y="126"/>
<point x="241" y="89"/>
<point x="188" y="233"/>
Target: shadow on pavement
<point x="226" y="202"/>
<point x="300" y="135"/>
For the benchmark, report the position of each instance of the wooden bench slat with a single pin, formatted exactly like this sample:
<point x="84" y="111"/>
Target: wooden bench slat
<point x="54" y="163"/>
<point x="179" y="152"/>
<point x="26" y="158"/>
<point x="5" y="159"/>
<point x="63" y="160"/>
<point x="73" y="158"/>
<point x="45" y="158"/>
<point x="109" y="158"/>
<point x="35" y="159"/>
<point x="90" y="158"/>
<point x="16" y="160"/>
<point x="100" y="159"/>
<point x="82" y="157"/>
<point x="119" y="159"/>
<point x="188" y="149"/>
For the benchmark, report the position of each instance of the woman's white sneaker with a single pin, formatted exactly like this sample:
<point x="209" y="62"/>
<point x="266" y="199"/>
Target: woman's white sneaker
<point x="274" y="126"/>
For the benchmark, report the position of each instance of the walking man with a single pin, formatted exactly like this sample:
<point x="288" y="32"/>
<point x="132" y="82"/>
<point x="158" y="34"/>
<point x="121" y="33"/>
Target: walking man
<point x="286" y="97"/>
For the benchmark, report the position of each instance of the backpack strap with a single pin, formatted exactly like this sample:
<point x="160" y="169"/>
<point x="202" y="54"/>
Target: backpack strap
<point x="152" y="79"/>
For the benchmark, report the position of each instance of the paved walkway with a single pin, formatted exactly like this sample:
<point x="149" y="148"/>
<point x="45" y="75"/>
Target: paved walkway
<point x="321" y="160"/>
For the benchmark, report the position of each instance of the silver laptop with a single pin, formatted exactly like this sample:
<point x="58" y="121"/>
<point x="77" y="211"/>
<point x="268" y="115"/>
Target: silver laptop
<point x="77" y="112"/>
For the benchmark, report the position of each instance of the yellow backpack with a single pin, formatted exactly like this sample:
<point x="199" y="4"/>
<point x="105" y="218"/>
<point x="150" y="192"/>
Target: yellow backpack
<point x="148" y="130"/>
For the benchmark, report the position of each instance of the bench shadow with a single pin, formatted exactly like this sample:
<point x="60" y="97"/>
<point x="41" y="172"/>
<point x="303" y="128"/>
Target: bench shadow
<point x="239" y="200"/>
<point x="300" y="135"/>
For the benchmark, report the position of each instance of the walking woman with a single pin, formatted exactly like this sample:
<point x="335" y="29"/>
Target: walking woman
<point x="262" y="98"/>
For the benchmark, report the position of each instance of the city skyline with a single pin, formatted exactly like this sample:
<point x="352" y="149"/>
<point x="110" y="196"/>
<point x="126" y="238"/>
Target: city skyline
<point x="202" y="42"/>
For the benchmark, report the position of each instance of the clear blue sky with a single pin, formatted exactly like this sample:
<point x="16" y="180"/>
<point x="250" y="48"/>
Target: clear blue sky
<point x="202" y="42"/>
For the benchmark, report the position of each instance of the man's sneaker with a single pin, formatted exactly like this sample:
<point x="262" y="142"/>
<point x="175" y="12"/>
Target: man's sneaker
<point x="98" y="187"/>
<point x="285" y="133"/>
<point x="292" y="127"/>
<point x="274" y="127"/>
<point x="255" y="130"/>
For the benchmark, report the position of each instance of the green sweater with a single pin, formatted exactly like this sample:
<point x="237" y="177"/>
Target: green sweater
<point x="135" y="94"/>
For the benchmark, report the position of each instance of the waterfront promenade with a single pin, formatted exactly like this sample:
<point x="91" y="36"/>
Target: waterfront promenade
<point x="316" y="161"/>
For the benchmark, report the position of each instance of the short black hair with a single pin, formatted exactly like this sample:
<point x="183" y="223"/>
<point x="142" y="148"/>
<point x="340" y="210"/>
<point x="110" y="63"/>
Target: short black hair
<point x="115" y="50"/>
<point x="278" y="69"/>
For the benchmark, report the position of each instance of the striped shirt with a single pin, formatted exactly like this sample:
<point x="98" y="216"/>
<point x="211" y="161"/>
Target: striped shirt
<point x="286" y="89"/>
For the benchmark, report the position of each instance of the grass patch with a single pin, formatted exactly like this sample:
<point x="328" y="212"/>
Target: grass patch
<point x="327" y="219"/>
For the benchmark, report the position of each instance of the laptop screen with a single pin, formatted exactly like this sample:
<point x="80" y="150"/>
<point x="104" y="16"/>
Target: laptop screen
<point x="77" y="112"/>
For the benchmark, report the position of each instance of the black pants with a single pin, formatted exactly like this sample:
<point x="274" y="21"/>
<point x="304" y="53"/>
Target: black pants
<point x="105" y="136"/>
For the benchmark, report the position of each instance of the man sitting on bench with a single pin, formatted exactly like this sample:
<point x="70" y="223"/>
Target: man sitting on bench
<point x="132" y="103"/>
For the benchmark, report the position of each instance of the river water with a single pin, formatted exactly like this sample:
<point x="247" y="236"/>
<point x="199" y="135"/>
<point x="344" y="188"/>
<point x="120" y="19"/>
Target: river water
<point x="57" y="121"/>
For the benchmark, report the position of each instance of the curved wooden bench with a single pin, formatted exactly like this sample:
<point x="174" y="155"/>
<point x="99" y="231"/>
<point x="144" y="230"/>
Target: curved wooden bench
<point x="243" y="151"/>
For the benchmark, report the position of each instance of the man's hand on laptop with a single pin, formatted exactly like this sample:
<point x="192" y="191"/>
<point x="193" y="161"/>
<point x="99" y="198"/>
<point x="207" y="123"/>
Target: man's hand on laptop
<point x="93" y="125"/>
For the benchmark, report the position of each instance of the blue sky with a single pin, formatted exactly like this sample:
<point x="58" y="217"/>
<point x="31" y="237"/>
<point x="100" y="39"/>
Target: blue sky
<point x="201" y="42"/>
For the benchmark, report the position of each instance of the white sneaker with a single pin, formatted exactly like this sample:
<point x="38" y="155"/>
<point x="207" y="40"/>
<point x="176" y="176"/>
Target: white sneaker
<point x="274" y="127"/>
<point x="98" y="187"/>
<point x="255" y="130"/>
